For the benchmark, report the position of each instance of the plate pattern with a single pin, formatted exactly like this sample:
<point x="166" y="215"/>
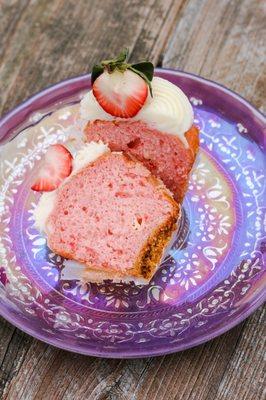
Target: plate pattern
<point x="227" y="188"/>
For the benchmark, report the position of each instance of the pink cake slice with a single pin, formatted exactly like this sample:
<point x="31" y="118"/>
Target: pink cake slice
<point x="113" y="215"/>
<point x="165" y="155"/>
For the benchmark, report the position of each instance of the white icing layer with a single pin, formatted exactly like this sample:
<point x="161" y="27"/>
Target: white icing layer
<point x="89" y="153"/>
<point x="43" y="210"/>
<point x="169" y="110"/>
<point x="74" y="270"/>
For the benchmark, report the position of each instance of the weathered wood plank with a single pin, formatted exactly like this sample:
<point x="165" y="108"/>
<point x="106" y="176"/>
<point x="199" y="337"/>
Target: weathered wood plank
<point x="13" y="346"/>
<point x="214" y="370"/>
<point x="10" y="14"/>
<point x="6" y="333"/>
<point x="245" y="376"/>
<point x="49" y="41"/>
<point x="56" y="40"/>
<point x="224" y="41"/>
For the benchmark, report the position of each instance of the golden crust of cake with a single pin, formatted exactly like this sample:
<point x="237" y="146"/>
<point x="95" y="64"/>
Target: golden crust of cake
<point x="192" y="137"/>
<point x="152" y="251"/>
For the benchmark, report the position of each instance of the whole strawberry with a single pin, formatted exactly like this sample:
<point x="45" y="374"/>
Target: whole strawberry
<point x="121" y="88"/>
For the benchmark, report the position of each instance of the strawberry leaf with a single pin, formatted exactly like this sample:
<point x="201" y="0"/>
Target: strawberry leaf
<point x="122" y="57"/>
<point x="146" y="68"/>
<point x="110" y="65"/>
<point x="117" y="61"/>
<point x="97" y="70"/>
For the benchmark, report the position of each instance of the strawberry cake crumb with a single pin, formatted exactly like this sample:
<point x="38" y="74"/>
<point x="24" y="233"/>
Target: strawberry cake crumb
<point x="113" y="216"/>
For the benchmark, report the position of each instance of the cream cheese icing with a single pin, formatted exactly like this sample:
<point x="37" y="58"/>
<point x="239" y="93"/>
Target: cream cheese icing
<point x="169" y="110"/>
<point x="87" y="154"/>
<point x="43" y="210"/>
<point x="74" y="270"/>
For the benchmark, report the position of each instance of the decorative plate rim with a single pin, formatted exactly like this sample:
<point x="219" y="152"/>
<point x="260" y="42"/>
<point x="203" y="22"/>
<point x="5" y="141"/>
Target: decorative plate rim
<point x="257" y="299"/>
<point x="114" y="355"/>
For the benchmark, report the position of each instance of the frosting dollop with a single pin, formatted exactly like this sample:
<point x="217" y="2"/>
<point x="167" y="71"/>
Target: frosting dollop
<point x="87" y="154"/>
<point x="43" y="210"/>
<point x="169" y="110"/>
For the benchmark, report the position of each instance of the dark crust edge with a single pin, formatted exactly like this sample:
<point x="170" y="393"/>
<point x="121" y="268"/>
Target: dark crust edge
<point x="152" y="250"/>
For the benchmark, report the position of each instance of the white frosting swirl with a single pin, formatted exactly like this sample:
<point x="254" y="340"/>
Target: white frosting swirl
<point x="169" y="110"/>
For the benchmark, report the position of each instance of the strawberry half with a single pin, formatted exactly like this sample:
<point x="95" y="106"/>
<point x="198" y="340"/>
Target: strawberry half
<point x="121" y="94"/>
<point x="57" y="166"/>
<point x="120" y="88"/>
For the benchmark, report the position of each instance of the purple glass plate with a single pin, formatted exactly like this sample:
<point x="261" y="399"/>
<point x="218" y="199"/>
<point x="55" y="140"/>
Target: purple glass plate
<point x="212" y="276"/>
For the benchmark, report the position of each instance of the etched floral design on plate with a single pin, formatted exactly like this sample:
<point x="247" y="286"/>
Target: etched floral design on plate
<point x="224" y="188"/>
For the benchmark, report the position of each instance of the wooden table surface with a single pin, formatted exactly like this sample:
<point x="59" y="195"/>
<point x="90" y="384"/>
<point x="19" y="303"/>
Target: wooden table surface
<point x="45" y="41"/>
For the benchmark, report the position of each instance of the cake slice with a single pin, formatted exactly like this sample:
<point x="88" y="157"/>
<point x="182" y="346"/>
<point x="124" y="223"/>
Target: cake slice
<point x="155" y="127"/>
<point x="165" y="155"/>
<point x="111" y="214"/>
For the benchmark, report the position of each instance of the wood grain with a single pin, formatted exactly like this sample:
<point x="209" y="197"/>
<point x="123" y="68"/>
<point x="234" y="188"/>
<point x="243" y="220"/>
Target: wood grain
<point x="10" y="14"/>
<point x="42" y="42"/>
<point x="55" y="40"/>
<point x="223" y="41"/>
<point x="229" y="367"/>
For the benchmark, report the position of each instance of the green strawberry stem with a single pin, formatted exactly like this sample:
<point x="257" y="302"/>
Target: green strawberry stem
<point x="144" y="69"/>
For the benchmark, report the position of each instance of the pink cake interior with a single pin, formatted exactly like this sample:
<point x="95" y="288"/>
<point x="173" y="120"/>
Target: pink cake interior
<point x="165" y="155"/>
<point x="106" y="212"/>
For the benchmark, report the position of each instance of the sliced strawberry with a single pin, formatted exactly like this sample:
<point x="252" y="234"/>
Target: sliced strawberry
<point x="121" y="94"/>
<point x="57" y="165"/>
